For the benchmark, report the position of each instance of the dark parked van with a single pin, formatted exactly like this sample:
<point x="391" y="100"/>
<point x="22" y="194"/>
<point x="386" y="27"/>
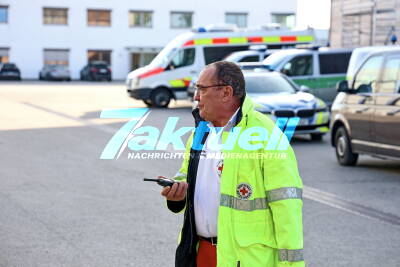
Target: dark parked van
<point x="9" y="71"/>
<point x="366" y="112"/>
<point x="96" y="71"/>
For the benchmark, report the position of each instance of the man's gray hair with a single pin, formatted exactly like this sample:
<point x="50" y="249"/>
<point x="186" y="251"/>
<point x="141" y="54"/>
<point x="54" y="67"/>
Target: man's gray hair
<point x="229" y="73"/>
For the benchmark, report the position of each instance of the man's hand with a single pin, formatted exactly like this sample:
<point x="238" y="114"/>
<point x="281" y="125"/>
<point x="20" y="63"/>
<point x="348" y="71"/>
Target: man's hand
<point x="175" y="193"/>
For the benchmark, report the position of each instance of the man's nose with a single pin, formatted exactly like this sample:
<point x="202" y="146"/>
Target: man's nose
<point x="196" y="96"/>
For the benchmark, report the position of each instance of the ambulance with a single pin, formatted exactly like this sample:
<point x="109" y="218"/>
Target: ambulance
<point x="169" y="74"/>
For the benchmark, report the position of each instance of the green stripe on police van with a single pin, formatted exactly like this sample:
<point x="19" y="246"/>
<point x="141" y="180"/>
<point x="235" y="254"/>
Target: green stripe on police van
<point x="322" y="82"/>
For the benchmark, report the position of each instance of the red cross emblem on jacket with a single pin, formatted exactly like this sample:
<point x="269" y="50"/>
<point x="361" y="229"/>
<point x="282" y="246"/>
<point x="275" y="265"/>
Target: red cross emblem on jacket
<point x="220" y="167"/>
<point x="244" y="191"/>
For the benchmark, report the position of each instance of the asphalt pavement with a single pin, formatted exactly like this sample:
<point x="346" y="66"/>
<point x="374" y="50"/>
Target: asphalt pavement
<point x="61" y="205"/>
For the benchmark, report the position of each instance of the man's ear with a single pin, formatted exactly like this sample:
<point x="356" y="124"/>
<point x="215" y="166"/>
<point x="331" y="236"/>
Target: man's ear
<point x="227" y="93"/>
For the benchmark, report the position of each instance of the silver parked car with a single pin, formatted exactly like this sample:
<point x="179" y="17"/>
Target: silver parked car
<point x="277" y="96"/>
<point x="55" y="72"/>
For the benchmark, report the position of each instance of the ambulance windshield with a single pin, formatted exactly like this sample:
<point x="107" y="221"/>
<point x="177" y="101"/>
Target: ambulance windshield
<point x="165" y="55"/>
<point x="162" y="59"/>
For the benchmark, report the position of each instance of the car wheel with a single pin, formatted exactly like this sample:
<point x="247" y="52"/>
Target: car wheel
<point x="317" y="137"/>
<point x="148" y="102"/>
<point x="344" y="153"/>
<point x="161" y="98"/>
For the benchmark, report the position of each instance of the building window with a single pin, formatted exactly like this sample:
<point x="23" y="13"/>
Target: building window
<point x="239" y="19"/>
<point x="3" y="14"/>
<point x="141" y="19"/>
<point x="99" y="17"/>
<point x="56" y="57"/>
<point x="141" y="59"/>
<point x="99" y="55"/>
<point x="58" y="16"/>
<point x="4" y="57"/>
<point x="285" y="20"/>
<point x="180" y="20"/>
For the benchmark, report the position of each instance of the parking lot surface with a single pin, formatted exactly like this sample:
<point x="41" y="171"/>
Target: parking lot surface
<point x="60" y="205"/>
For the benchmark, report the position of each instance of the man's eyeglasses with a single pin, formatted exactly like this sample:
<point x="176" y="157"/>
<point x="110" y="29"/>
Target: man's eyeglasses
<point x="202" y="89"/>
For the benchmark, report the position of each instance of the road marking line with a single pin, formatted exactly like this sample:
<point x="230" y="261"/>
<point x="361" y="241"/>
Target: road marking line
<point x="335" y="201"/>
<point x="104" y="128"/>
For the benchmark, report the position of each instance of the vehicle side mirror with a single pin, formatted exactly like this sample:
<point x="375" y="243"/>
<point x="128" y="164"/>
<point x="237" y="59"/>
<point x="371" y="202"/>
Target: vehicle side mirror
<point x="364" y="88"/>
<point x="286" y="72"/>
<point x="304" y="88"/>
<point x="342" y="86"/>
<point x="170" y="66"/>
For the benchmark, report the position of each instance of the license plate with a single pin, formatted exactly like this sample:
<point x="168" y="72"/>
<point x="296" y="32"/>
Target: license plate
<point x="303" y="121"/>
<point x="103" y="71"/>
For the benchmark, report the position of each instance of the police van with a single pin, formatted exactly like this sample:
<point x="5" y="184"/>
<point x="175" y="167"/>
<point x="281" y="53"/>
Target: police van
<point x="318" y="68"/>
<point x="169" y="74"/>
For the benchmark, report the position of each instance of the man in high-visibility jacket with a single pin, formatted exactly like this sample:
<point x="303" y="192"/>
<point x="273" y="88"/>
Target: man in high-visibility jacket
<point x="243" y="208"/>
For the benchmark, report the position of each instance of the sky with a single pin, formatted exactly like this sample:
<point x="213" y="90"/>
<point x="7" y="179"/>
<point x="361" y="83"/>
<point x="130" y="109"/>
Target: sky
<point x="313" y="13"/>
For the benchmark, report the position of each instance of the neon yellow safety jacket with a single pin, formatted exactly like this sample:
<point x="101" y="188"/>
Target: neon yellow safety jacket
<point x="260" y="212"/>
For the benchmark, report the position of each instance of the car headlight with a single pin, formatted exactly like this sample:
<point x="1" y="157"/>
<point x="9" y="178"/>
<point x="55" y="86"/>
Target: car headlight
<point x="322" y="109"/>
<point x="135" y="81"/>
<point x="132" y="82"/>
<point x="321" y="106"/>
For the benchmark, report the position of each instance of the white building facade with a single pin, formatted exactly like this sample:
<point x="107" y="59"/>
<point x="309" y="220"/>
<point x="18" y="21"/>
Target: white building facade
<point x="127" y="34"/>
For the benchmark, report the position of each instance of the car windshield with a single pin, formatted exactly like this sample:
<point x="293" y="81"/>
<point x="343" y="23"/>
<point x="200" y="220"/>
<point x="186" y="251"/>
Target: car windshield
<point x="100" y="66"/>
<point x="274" y="59"/>
<point x="355" y="62"/>
<point x="9" y="66"/>
<point x="164" y="56"/>
<point x="58" y="67"/>
<point x="238" y="56"/>
<point x="268" y="84"/>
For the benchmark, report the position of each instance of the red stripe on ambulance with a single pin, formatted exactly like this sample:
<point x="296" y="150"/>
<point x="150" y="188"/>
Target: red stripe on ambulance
<point x="288" y="38"/>
<point x="220" y="40"/>
<point x="255" y="39"/>
<point x="151" y="72"/>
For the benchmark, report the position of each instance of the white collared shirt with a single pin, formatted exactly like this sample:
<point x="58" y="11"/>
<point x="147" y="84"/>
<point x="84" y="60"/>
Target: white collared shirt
<point x="207" y="190"/>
